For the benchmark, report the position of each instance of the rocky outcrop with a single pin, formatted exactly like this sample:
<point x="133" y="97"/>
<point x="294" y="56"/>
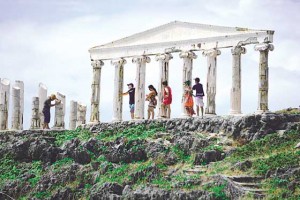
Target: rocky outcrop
<point x="248" y="127"/>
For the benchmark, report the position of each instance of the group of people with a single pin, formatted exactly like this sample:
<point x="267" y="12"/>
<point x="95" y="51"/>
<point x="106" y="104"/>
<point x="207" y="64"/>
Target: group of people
<point x="151" y="97"/>
<point x="167" y="99"/>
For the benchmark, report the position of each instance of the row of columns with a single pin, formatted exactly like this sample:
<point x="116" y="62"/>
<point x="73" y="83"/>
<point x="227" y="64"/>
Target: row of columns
<point x="77" y="110"/>
<point x="17" y="104"/>
<point x="77" y="113"/>
<point x="187" y="56"/>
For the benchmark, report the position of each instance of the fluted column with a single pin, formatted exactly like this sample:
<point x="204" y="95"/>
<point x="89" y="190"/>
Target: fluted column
<point x="20" y="84"/>
<point x="4" y="103"/>
<point x="73" y="115"/>
<point x="263" y="86"/>
<point x="16" y="108"/>
<point x="163" y="60"/>
<point x="118" y="88"/>
<point x="81" y="114"/>
<point x="187" y="57"/>
<point x="236" y="92"/>
<point x="35" y="118"/>
<point x="140" y="85"/>
<point x="60" y="110"/>
<point x="211" y="80"/>
<point x="95" y="100"/>
<point x="42" y="98"/>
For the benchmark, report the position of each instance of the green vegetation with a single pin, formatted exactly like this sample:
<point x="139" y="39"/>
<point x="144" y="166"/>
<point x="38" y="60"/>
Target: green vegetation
<point x="61" y="138"/>
<point x="269" y="153"/>
<point x="10" y="170"/>
<point x="139" y="132"/>
<point x="217" y="190"/>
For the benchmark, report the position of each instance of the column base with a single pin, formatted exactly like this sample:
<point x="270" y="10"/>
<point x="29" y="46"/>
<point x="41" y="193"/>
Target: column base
<point x="116" y="120"/>
<point x="58" y="128"/>
<point x="262" y="111"/>
<point x="235" y="112"/>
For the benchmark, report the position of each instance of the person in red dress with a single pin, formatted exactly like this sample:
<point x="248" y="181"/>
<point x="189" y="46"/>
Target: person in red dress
<point x="167" y="100"/>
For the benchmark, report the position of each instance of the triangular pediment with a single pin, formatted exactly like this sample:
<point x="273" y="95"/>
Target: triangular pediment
<point x="180" y="36"/>
<point x="176" y="31"/>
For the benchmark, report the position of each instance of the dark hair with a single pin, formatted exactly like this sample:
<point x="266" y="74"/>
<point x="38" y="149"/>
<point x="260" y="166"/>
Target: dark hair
<point x="165" y="83"/>
<point x="188" y="82"/>
<point x="197" y="80"/>
<point x="153" y="88"/>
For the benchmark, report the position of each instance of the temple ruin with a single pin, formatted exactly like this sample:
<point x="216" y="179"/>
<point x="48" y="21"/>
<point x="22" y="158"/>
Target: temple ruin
<point x="185" y="39"/>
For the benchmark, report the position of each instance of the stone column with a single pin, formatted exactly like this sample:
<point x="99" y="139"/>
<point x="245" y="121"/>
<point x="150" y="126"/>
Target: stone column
<point x="4" y="103"/>
<point x="35" y="118"/>
<point x="73" y="115"/>
<point x="95" y="101"/>
<point x="20" y="85"/>
<point x="263" y="86"/>
<point x="140" y="86"/>
<point x="236" y="94"/>
<point x="163" y="60"/>
<point x="187" y="57"/>
<point x="16" y="108"/>
<point x="42" y="98"/>
<point x="60" y="110"/>
<point x="81" y="114"/>
<point x="118" y="88"/>
<point x="211" y="80"/>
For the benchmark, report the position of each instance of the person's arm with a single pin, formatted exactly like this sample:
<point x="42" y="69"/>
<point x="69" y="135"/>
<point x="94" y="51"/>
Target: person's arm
<point x="125" y="93"/>
<point x="57" y="101"/>
<point x="167" y="92"/>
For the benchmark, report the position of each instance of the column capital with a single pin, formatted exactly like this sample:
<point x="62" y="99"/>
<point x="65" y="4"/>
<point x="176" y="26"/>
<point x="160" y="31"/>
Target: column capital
<point x="238" y="50"/>
<point x="97" y="63"/>
<point x="118" y="62"/>
<point x="188" y="54"/>
<point x="264" y="47"/>
<point x="141" y="59"/>
<point x="211" y="52"/>
<point x="164" y="56"/>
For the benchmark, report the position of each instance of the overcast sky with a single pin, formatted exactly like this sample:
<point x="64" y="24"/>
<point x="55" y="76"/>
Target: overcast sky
<point x="48" y="41"/>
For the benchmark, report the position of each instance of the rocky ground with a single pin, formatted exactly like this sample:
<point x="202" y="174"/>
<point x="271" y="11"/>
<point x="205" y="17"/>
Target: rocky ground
<point x="246" y="157"/>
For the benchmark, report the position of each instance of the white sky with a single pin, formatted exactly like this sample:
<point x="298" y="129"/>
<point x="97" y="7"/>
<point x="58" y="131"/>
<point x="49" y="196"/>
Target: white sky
<point x="48" y="41"/>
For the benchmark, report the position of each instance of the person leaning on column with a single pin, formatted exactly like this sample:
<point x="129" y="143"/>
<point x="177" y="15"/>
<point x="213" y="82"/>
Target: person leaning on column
<point x="46" y="109"/>
<point x="131" y="92"/>
<point x="167" y="100"/>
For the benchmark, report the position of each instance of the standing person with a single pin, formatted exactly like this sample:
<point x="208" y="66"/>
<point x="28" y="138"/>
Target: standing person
<point x="131" y="92"/>
<point x="167" y="100"/>
<point x="188" y="98"/>
<point x="199" y="96"/>
<point x="152" y="101"/>
<point x="46" y="110"/>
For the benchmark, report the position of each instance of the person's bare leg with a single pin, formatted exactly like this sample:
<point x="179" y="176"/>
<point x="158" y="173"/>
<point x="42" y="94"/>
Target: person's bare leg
<point x="197" y="110"/>
<point x="132" y="115"/>
<point x="202" y="111"/>
<point x="169" y="111"/>
<point x="149" y="113"/>
<point x="152" y="113"/>
<point x="163" y="110"/>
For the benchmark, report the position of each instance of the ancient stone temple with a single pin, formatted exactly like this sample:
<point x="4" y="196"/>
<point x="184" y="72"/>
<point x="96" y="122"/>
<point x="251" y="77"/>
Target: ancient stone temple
<point x="180" y="39"/>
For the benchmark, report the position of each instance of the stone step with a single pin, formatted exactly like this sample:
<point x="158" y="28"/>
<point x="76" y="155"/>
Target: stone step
<point x="246" y="179"/>
<point x="194" y="171"/>
<point x="249" y="185"/>
<point x="257" y="191"/>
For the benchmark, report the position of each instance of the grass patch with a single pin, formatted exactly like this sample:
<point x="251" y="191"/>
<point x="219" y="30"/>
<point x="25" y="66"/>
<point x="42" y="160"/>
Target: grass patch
<point x="81" y="134"/>
<point x="280" y="160"/>
<point x="131" y="134"/>
<point x="11" y="170"/>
